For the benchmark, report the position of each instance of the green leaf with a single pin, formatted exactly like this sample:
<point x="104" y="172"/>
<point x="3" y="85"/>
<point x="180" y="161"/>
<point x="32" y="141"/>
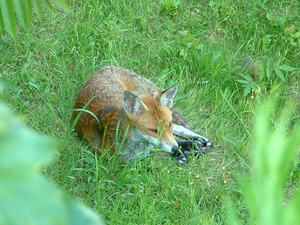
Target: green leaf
<point x="61" y="3"/>
<point x="36" y="4"/>
<point x="8" y="16"/>
<point x="279" y="74"/>
<point x="196" y="43"/>
<point x="212" y="3"/>
<point x="1" y="23"/>
<point x="49" y="6"/>
<point x="277" y="62"/>
<point x="265" y="42"/>
<point x="247" y="77"/>
<point x="23" y="12"/>
<point x="279" y="21"/>
<point x="4" y="84"/>
<point x="270" y="17"/>
<point x="243" y="81"/>
<point x="184" y="32"/>
<point x="247" y="90"/>
<point x="287" y="68"/>
<point x="268" y="69"/>
<point x="189" y="37"/>
<point x="296" y="35"/>
<point x="253" y="85"/>
<point x="26" y="197"/>
<point x="270" y="61"/>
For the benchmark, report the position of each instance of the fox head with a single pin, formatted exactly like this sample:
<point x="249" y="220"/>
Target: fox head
<point x="151" y="119"/>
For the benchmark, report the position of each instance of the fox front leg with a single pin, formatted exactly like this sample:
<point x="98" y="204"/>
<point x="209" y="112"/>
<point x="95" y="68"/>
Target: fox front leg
<point x="196" y="141"/>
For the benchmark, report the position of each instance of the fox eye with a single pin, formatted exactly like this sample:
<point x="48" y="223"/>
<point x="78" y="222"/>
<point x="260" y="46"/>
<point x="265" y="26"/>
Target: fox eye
<point x="153" y="131"/>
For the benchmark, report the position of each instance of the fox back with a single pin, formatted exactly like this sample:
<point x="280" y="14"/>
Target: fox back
<point x="133" y="114"/>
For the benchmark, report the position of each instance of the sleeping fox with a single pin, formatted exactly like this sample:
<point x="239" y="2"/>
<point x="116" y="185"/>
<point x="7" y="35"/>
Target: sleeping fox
<point x="120" y="111"/>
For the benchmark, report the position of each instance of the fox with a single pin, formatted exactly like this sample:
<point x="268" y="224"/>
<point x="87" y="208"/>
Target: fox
<point x="118" y="110"/>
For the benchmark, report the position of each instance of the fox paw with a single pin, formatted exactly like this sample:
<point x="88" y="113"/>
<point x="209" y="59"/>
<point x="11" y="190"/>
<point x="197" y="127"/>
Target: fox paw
<point x="180" y="158"/>
<point x="201" y="145"/>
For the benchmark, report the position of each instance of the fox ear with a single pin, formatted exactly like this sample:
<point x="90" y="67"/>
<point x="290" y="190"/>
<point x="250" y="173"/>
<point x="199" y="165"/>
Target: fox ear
<point x="167" y="96"/>
<point x="133" y="104"/>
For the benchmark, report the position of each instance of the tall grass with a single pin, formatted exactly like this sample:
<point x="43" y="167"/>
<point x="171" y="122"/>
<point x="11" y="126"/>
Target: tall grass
<point x="273" y="158"/>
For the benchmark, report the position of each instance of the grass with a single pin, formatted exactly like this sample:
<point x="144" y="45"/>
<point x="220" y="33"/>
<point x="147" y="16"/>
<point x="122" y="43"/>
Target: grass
<point x="202" y="46"/>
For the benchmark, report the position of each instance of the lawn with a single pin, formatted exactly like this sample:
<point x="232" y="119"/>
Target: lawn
<point x="226" y="57"/>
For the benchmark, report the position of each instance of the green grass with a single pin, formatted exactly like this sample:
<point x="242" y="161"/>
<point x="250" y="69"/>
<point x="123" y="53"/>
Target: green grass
<point x="51" y="62"/>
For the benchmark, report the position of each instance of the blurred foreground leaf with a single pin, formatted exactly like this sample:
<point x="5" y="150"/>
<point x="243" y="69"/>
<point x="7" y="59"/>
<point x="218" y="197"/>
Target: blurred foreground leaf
<point x="26" y="196"/>
<point x="23" y="11"/>
<point x="273" y="157"/>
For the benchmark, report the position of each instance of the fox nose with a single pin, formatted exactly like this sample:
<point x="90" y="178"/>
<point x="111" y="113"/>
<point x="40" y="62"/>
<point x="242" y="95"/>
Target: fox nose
<point x="174" y="149"/>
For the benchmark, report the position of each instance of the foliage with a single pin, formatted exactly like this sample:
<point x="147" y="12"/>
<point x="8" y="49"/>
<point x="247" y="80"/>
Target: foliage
<point x="264" y="71"/>
<point x="23" y="11"/>
<point x="170" y="7"/>
<point x="26" y="197"/>
<point x="292" y="34"/>
<point x="273" y="157"/>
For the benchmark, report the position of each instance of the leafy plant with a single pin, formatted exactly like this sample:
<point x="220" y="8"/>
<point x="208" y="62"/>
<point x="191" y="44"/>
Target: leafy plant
<point x="206" y="57"/>
<point x="190" y="41"/>
<point x="26" y="197"/>
<point x="170" y="6"/>
<point x="292" y="34"/>
<point x="274" y="152"/>
<point x="22" y="9"/>
<point x="248" y="84"/>
<point x="223" y="9"/>
<point x="274" y="66"/>
<point x="262" y="71"/>
<point x="275" y="20"/>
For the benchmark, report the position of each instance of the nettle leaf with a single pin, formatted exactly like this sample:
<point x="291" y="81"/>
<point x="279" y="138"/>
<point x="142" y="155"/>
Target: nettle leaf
<point x="243" y="81"/>
<point x="247" y="77"/>
<point x="26" y="196"/>
<point x="279" y="74"/>
<point x="269" y="69"/>
<point x="247" y="90"/>
<point x="253" y="85"/>
<point x="277" y="62"/>
<point x="287" y="68"/>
